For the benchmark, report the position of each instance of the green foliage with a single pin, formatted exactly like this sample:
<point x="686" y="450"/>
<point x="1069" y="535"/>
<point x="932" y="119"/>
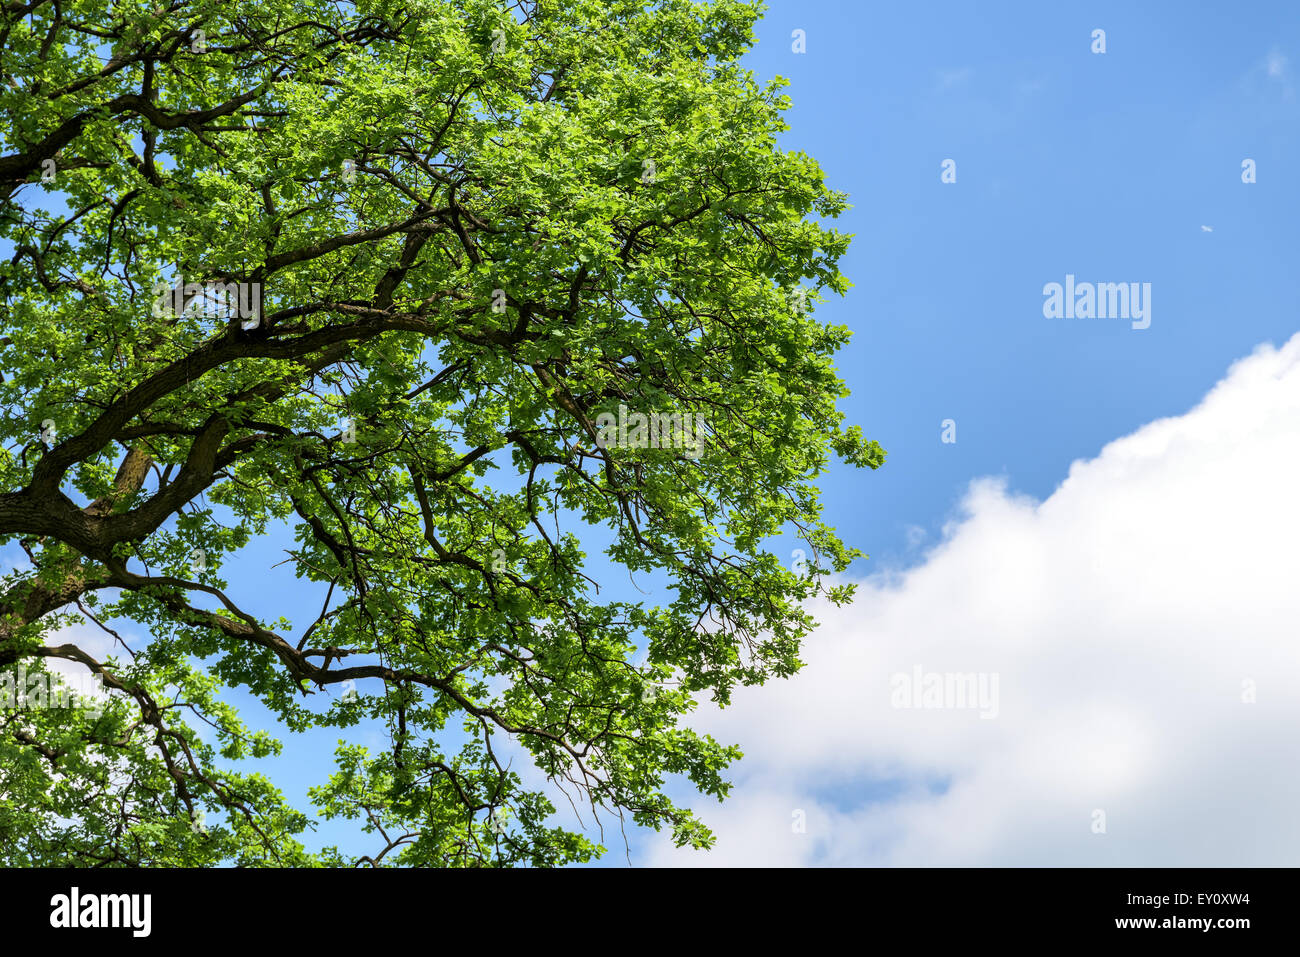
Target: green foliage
<point x="476" y="229"/>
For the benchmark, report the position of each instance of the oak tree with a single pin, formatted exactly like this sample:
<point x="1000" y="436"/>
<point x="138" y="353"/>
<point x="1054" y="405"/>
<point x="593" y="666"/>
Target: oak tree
<point x="366" y="277"/>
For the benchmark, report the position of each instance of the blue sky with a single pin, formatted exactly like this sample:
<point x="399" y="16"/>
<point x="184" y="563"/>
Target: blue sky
<point x="1101" y="165"/>
<point x="1104" y="166"/>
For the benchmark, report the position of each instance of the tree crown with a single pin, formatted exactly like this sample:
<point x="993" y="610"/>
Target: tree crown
<point x="432" y="290"/>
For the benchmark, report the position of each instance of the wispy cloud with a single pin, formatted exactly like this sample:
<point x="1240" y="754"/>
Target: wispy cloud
<point x="948" y="79"/>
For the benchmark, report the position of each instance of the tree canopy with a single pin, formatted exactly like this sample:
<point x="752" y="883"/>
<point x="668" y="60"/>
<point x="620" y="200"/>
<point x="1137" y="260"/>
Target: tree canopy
<point x="420" y="250"/>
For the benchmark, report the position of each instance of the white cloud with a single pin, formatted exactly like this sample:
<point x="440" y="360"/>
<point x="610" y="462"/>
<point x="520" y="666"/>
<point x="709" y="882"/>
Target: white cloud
<point x="1122" y="616"/>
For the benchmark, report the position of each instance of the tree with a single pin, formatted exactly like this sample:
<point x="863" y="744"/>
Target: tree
<point x="401" y="279"/>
